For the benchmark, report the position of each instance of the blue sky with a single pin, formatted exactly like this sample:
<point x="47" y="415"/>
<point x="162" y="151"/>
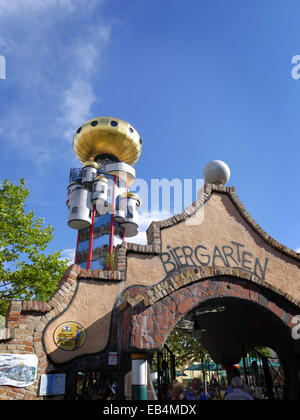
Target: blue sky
<point x="199" y="79"/>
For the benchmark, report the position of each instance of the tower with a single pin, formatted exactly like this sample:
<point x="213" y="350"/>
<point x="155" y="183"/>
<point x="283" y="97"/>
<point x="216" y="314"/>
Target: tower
<point x="101" y="207"/>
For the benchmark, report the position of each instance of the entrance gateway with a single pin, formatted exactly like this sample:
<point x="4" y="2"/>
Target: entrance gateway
<point x="114" y="309"/>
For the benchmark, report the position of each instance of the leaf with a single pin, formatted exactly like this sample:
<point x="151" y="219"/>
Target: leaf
<point x="25" y="271"/>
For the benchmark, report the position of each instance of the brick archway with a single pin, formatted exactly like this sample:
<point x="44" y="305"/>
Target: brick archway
<point x="149" y="314"/>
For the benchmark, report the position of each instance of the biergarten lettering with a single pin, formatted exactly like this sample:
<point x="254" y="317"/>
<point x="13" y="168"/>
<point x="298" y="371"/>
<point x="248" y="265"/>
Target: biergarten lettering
<point x="234" y="255"/>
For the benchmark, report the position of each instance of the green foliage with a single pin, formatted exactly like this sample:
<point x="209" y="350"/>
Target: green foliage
<point x="185" y="348"/>
<point x="25" y="271"/>
<point x="110" y="261"/>
<point x="263" y="351"/>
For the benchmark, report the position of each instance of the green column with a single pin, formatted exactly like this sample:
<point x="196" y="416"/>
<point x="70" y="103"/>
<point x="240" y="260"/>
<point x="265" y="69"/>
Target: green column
<point x="139" y="376"/>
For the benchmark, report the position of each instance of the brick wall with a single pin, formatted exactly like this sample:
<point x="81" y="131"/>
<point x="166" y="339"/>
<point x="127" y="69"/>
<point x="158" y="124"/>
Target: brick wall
<point x="149" y="314"/>
<point x="25" y="324"/>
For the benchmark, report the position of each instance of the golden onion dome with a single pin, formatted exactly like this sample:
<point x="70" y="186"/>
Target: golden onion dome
<point x="90" y="163"/>
<point x="100" y="178"/>
<point x="128" y="194"/>
<point x="107" y="136"/>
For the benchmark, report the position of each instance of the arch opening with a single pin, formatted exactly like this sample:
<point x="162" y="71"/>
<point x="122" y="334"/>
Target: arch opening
<point x="240" y="337"/>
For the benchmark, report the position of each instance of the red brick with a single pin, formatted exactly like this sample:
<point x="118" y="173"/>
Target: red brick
<point x="30" y="396"/>
<point x="253" y="295"/>
<point x="158" y="340"/>
<point x="14" y="314"/>
<point x="149" y="323"/>
<point x="137" y="341"/>
<point x="13" y="318"/>
<point x="185" y="306"/>
<point x="275" y="309"/>
<point x="11" y="394"/>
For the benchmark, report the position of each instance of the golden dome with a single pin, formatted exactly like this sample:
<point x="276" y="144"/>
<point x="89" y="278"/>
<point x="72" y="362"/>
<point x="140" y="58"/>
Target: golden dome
<point x="90" y="163"/>
<point x="100" y="178"/>
<point x="132" y="195"/>
<point x="107" y="136"/>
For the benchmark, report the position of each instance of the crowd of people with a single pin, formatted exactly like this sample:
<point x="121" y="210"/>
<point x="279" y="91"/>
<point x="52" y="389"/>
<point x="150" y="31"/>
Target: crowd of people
<point x="237" y="390"/>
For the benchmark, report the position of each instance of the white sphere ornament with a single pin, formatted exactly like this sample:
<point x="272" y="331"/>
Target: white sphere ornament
<point x="216" y="172"/>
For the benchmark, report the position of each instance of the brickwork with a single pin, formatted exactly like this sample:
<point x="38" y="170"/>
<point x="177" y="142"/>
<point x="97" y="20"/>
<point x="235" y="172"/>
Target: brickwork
<point x="143" y="316"/>
<point x="25" y="324"/>
<point x="151" y="314"/>
<point x="154" y="230"/>
<point x="173" y="282"/>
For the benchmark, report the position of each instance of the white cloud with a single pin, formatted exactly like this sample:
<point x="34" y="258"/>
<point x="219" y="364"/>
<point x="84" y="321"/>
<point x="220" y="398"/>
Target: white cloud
<point x="18" y="7"/>
<point x="76" y="101"/>
<point x="145" y="220"/>
<point x="51" y="72"/>
<point x="298" y="250"/>
<point x="76" y="106"/>
<point x="140" y="238"/>
<point x="69" y="254"/>
<point x="6" y="43"/>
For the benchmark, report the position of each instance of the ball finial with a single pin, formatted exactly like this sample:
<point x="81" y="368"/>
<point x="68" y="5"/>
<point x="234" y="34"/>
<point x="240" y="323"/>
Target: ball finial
<point x="216" y="172"/>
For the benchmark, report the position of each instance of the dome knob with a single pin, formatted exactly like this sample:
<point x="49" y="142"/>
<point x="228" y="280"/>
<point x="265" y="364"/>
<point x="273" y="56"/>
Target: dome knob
<point x="216" y="172"/>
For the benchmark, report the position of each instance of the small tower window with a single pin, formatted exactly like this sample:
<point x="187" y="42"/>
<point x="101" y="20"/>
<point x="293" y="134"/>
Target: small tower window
<point x="74" y="210"/>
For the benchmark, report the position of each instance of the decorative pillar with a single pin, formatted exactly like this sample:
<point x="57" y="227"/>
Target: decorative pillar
<point x="91" y="239"/>
<point x="139" y="376"/>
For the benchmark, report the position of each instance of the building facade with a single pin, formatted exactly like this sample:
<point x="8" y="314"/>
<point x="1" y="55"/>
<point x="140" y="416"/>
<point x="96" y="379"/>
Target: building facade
<point x="241" y="284"/>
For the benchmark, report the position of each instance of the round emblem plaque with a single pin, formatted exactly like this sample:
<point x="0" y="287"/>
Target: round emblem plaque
<point x="69" y="336"/>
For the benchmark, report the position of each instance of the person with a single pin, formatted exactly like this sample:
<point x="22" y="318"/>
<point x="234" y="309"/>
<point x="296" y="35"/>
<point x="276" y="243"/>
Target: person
<point x="245" y="387"/>
<point x="77" y="338"/>
<point x="170" y="388"/>
<point x="196" y="392"/>
<point x="237" y="391"/>
<point x="177" y="392"/>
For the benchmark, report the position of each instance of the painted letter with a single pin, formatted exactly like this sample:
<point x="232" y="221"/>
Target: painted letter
<point x="167" y="261"/>
<point x="262" y="270"/>
<point x="228" y="254"/>
<point x="217" y="254"/>
<point x="245" y="261"/>
<point x="296" y="329"/>
<point x="188" y="255"/>
<point x="294" y="72"/>
<point x="238" y="246"/>
<point x="204" y="264"/>
<point x="2" y="67"/>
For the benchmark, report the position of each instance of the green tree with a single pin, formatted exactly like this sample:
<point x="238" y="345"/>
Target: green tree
<point x="260" y="351"/>
<point x="187" y="350"/>
<point x="25" y="271"/>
